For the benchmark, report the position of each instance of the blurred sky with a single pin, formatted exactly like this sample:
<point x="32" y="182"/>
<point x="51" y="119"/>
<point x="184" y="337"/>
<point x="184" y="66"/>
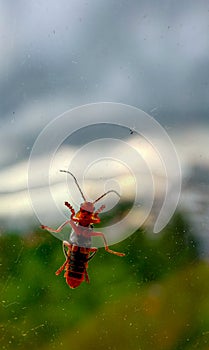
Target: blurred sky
<point x="152" y="54"/>
<point x="56" y="55"/>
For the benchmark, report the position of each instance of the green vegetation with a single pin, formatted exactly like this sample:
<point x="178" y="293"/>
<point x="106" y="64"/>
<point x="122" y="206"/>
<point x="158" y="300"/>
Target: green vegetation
<point x="156" y="297"/>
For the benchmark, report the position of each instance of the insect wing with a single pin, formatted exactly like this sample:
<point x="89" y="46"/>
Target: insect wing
<point x="81" y="240"/>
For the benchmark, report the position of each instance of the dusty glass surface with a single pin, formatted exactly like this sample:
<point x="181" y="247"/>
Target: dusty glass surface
<point x="59" y="56"/>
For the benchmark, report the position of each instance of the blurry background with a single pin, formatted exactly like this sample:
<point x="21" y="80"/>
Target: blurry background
<point x="153" y="55"/>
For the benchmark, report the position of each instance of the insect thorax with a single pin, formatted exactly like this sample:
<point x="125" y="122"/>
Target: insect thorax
<point x="83" y="239"/>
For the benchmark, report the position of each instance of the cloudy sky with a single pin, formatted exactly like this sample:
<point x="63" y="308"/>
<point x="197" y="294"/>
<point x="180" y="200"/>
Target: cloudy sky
<point x="153" y="55"/>
<point x="150" y="54"/>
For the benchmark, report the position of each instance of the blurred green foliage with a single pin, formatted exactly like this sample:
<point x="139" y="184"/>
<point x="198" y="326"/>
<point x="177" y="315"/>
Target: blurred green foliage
<point x="156" y="297"/>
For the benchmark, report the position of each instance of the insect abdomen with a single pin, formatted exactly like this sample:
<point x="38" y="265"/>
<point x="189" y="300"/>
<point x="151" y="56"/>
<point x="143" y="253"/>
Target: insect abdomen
<point x="76" y="268"/>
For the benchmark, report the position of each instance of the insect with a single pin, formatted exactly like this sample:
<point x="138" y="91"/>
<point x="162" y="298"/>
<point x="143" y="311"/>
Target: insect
<point x="78" y="251"/>
<point x="132" y="130"/>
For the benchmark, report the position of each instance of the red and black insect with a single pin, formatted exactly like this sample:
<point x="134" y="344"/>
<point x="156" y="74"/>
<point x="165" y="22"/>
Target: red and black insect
<point x="79" y="250"/>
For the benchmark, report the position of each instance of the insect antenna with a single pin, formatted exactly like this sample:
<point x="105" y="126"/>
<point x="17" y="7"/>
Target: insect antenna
<point x="81" y="192"/>
<point x="96" y="200"/>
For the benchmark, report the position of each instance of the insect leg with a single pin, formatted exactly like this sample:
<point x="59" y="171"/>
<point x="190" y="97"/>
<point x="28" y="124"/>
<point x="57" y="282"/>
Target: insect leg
<point x="71" y="209"/>
<point x="58" y="229"/>
<point x="93" y="254"/>
<point x="61" y="268"/>
<point x="86" y="276"/>
<point x="95" y="217"/>
<point x="65" y="244"/>
<point x="100" y="234"/>
<point x="76" y="228"/>
<point x="100" y="210"/>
